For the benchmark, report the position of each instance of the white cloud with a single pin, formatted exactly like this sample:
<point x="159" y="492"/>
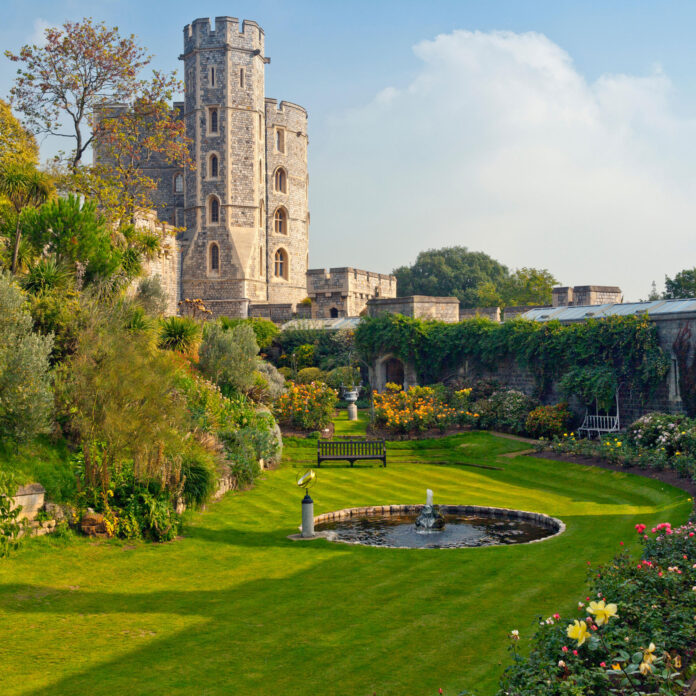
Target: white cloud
<point x="498" y="143"/>
<point x="38" y="34"/>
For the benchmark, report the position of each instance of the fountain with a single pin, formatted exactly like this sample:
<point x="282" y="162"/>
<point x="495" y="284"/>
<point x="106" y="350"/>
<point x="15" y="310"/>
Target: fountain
<point x="430" y="519"/>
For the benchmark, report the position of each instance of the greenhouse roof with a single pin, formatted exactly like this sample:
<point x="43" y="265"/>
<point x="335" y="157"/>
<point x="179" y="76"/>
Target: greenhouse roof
<point x="654" y="308"/>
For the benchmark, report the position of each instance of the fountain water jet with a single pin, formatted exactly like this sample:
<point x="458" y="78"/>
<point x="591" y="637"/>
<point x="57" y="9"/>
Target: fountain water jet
<point x="429" y="519"/>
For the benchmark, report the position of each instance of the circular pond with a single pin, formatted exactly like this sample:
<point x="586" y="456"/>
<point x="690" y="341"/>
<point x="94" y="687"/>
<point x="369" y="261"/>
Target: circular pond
<point x="465" y="526"/>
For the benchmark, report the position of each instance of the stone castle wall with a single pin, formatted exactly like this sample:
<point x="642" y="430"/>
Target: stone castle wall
<point x="287" y="122"/>
<point x="417" y="306"/>
<point x="344" y="292"/>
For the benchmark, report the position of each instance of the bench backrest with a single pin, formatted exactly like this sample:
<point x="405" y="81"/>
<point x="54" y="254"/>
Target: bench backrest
<point x="351" y="448"/>
<point x="600" y="422"/>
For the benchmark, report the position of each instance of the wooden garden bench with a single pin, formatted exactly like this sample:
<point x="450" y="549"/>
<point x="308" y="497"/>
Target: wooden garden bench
<point x="351" y="450"/>
<point x="597" y="425"/>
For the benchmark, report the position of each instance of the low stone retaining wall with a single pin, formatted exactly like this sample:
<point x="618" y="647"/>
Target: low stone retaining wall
<point x="551" y="523"/>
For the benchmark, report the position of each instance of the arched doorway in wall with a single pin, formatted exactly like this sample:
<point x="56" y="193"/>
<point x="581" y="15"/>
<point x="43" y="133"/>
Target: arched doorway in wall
<point x="333" y="313"/>
<point x="394" y="371"/>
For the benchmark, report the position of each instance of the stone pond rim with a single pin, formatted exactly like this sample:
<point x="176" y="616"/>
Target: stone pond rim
<point x="553" y="524"/>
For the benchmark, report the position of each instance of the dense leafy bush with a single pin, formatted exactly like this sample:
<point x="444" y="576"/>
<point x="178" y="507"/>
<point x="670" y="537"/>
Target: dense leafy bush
<point x="548" y="421"/>
<point x="306" y="406"/>
<point x="26" y="399"/>
<point x="421" y="408"/>
<point x="264" y="329"/>
<point x="504" y="410"/>
<point x="228" y="357"/>
<point x="328" y="349"/>
<point x="635" y="636"/>
<point x="343" y="377"/>
<point x="307" y="375"/>
<point x="673" y="432"/>
<point x="272" y="383"/>
<point x="10" y="524"/>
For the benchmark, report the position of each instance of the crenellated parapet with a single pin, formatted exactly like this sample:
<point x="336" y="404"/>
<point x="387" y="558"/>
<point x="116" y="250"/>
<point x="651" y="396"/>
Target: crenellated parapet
<point x="226" y="32"/>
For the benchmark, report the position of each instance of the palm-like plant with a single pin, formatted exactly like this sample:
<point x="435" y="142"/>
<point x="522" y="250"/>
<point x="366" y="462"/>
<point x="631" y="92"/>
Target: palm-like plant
<point x="181" y="334"/>
<point x="25" y="187"/>
<point x="45" y="275"/>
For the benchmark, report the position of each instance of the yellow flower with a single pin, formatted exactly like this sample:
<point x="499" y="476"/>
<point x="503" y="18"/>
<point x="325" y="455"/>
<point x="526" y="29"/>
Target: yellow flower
<point x="649" y="654"/>
<point x="578" y="631"/>
<point x="677" y="662"/>
<point x="616" y="667"/>
<point x="601" y="611"/>
<point x="645" y="668"/>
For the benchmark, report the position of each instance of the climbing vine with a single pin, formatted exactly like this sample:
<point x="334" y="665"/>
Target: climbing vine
<point x="626" y="348"/>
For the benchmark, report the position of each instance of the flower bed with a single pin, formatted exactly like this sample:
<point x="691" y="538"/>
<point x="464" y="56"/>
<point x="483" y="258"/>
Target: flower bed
<point x="306" y="407"/>
<point x="634" y="632"/>
<point x="420" y="409"/>
<point x="657" y="441"/>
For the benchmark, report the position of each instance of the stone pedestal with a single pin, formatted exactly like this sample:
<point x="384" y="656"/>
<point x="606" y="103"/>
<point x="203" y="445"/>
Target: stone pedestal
<point x="307" y="517"/>
<point x="352" y="412"/>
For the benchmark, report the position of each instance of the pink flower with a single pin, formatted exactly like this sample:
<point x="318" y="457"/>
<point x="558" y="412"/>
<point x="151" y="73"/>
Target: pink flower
<point x="556" y="616"/>
<point x="640" y="528"/>
<point x="440" y="691"/>
<point x="621" y="543"/>
<point x="602" y="664"/>
<point x="564" y="648"/>
<point x="575" y="652"/>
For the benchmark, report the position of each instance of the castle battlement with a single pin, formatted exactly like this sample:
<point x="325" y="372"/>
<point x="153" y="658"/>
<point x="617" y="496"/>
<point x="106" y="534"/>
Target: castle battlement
<point x="344" y="292"/>
<point x="227" y="32"/>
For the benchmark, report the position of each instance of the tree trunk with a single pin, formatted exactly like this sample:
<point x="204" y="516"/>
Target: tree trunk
<point x="15" y="250"/>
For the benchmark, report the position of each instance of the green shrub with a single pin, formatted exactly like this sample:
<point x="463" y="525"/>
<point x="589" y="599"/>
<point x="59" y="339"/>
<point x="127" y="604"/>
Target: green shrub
<point x="674" y="432"/>
<point x="343" y="377"/>
<point x="180" y="334"/>
<point x="26" y="399"/>
<point x="273" y="381"/>
<point x="504" y="410"/>
<point x="199" y="474"/>
<point x="151" y="295"/>
<point x="45" y="275"/>
<point x="308" y="375"/>
<point x="264" y="329"/>
<point x="548" y="421"/>
<point x="10" y="524"/>
<point x="228" y="357"/>
<point x="303" y="356"/>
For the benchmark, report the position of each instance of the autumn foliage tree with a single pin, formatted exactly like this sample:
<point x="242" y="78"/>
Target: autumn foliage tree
<point x="80" y="66"/>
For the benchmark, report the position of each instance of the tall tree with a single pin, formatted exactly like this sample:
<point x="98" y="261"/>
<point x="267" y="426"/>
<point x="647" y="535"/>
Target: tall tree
<point x="17" y="145"/>
<point x="129" y="141"/>
<point x="451" y="271"/>
<point x="525" y="286"/>
<point x="25" y="187"/>
<point x="682" y="285"/>
<point x="80" y="66"/>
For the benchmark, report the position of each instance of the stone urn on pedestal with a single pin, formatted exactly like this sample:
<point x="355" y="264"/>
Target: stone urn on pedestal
<point x="350" y="394"/>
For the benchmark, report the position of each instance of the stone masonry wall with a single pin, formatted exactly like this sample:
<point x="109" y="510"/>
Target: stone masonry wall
<point x="290" y="121"/>
<point x="346" y="291"/>
<point x="417" y="306"/>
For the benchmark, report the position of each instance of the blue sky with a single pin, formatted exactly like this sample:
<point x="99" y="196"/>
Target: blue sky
<point x="553" y="134"/>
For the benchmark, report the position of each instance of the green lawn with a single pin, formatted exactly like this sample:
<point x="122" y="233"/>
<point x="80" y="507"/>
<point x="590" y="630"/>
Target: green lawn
<point x="237" y="608"/>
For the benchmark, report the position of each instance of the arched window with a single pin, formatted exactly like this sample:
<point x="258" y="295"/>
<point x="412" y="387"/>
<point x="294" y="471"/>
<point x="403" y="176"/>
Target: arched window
<point x="241" y="77"/>
<point x="213" y="167"/>
<point x="214" y="210"/>
<point x="213" y="120"/>
<point x="262" y="211"/>
<point x="179" y="183"/>
<point x="280" y="180"/>
<point x="280" y="221"/>
<point x="214" y="254"/>
<point x="280" y="140"/>
<point x="212" y="76"/>
<point x="281" y="264"/>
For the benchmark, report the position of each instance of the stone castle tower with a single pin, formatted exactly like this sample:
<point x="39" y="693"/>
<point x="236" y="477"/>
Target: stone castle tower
<point x="244" y="206"/>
